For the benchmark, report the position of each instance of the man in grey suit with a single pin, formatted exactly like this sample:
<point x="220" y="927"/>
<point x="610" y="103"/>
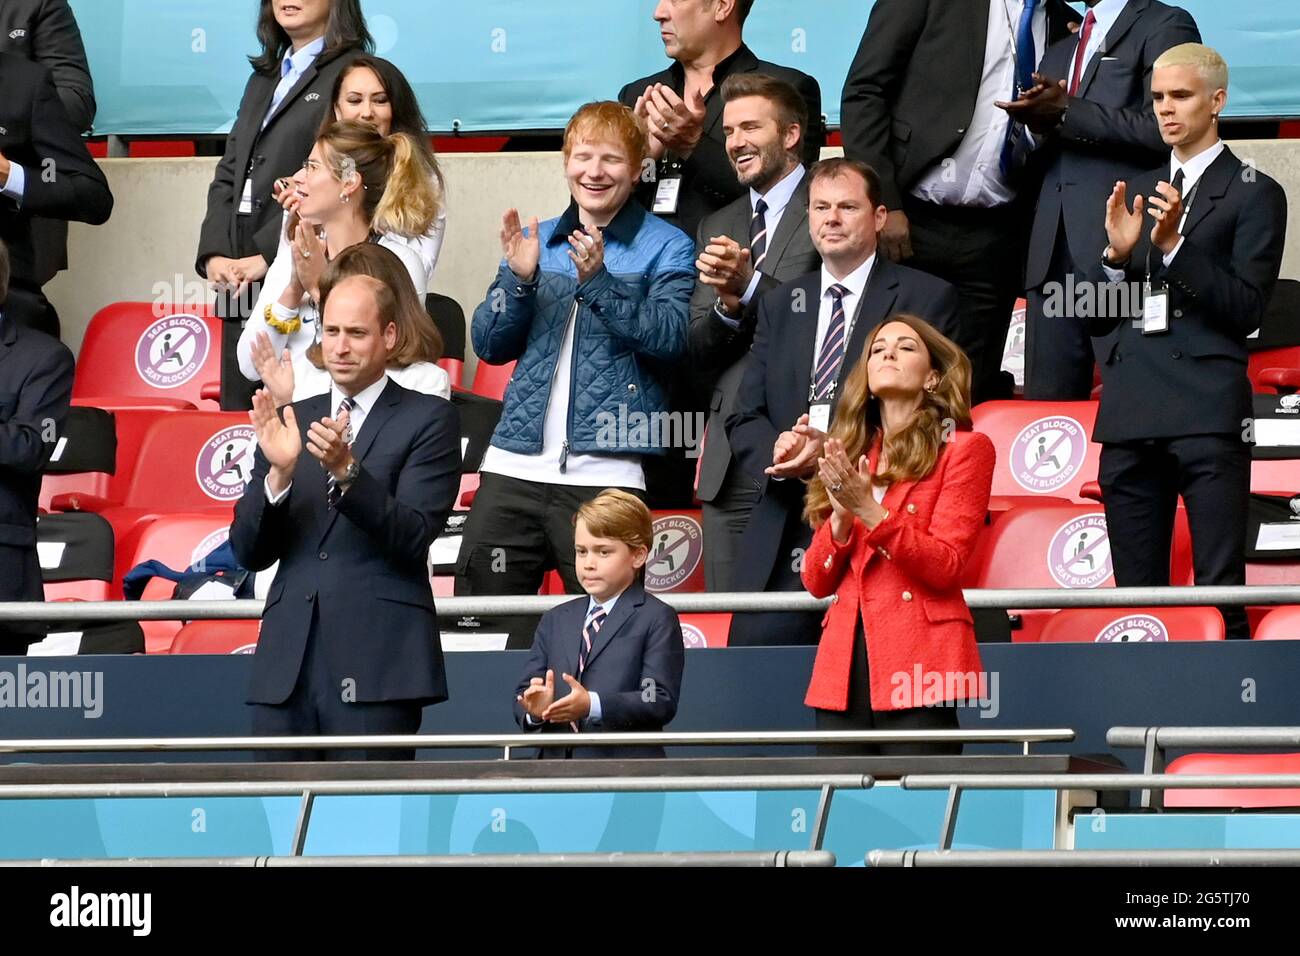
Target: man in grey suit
<point x="746" y="248"/>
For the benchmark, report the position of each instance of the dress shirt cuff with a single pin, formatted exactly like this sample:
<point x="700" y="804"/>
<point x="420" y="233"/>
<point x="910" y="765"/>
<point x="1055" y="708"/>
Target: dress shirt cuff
<point x="725" y="319"/>
<point x="595" y="712"/>
<point x="752" y="289"/>
<point x="15" y="185"/>
<point x="528" y="718"/>
<point x="271" y="497"/>
<point x="1114" y="275"/>
<point x="1170" y="257"/>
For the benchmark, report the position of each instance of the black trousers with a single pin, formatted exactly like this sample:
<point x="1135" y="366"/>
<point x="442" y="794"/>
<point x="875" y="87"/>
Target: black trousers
<point x="317" y="707"/>
<point x="28" y="306"/>
<point x="980" y="252"/>
<point x="237" y="391"/>
<point x="724" y="519"/>
<point x="1140" y="484"/>
<point x="516" y="532"/>
<point x="1058" y="350"/>
<point x="860" y="716"/>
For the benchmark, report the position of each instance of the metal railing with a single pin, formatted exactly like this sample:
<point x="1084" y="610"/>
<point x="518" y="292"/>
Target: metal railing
<point x="729" y="602"/>
<point x="1088" y="858"/>
<point x="1154" y="741"/>
<point x="738" y="858"/>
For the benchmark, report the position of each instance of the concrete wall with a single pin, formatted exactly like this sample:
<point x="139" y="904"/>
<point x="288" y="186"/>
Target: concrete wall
<point x="151" y="238"/>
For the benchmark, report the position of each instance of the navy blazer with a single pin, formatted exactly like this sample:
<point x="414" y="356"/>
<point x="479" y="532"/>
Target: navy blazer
<point x="357" y="573"/>
<point x="35" y="391"/>
<point x="774" y="390"/>
<point x="635" y="666"/>
<point x="1192" y="379"/>
<point x="1110" y="130"/>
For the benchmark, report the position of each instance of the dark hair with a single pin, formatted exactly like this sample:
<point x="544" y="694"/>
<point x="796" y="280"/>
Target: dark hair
<point x="744" y="6"/>
<point x="345" y="30"/>
<point x="407" y="116"/>
<point x="4" y="272"/>
<point x="418" y="339"/>
<point x="791" y="109"/>
<point x="838" y="166"/>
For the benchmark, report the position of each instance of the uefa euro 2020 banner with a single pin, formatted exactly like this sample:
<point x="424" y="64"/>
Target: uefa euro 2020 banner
<point x="179" y="66"/>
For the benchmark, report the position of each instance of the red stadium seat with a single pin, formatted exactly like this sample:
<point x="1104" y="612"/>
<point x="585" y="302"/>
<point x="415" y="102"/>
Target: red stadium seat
<point x="1279" y="476"/>
<point x="147" y="351"/>
<point x="217" y="637"/>
<point x="455" y="370"/>
<point x="131" y="425"/>
<point x="1235" y="764"/>
<point x="1279" y="624"/>
<point x="676" y="561"/>
<point x="178" y="541"/>
<point x="1287" y="357"/>
<point x="490" y="381"/>
<point x="188" y="461"/>
<point x="77" y="591"/>
<point x="1116" y="625"/>
<point x="1055" y="545"/>
<point x="1272" y="574"/>
<point x="1044" y="450"/>
<point x="705" y="630"/>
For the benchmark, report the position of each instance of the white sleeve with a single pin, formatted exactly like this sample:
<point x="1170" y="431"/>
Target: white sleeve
<point x="273" y="286"/>
<point x="429" y="246"/>
<point x="425" y="377"/>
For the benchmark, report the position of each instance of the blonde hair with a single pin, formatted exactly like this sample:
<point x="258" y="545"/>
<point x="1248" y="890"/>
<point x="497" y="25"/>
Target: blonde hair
<point x="618" y="515"/>
<point x="398" y="195"/>
<point x="1206" y="60"/>
<point x="912" y="450"/>
<point x="607" y="121"/>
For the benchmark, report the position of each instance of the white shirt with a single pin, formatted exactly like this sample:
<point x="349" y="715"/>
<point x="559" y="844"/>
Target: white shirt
<point x="426" y="377"/>
<point x="277" y="280"/>
<point x="363" y="401"/>
<point x="608" y="471"/>
<point x="16" y="185"/>
<point x="972" y="175"/>
<point x="292" y="67"/>
<point x="855" y="282"/>
<point x="1106" y="12"/>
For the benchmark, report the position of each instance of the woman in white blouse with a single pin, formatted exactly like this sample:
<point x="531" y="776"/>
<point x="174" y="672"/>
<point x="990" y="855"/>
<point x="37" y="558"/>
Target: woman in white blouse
<point x="411" y="363"/>
<point x="356" y="186"/>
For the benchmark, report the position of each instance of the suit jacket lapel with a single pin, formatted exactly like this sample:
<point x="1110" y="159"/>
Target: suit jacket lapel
<point x="1213" y="184"/>
<point x="376" y="418"/>
<point x="308" y="76"/>
<point x="977" y="29"/>
<point x="628" y="602"/>
<point x="793" y="219"/>
<point x="1127" y="17"/>
<point x="8" y="336"/>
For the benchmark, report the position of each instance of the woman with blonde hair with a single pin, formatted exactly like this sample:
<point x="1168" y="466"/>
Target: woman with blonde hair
<point x="356" y="186"/>
<point x="897" y="503"/>
<point x="411" y="361"/>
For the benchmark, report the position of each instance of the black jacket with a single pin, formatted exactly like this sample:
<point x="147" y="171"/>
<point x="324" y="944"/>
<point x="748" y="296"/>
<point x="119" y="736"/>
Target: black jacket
<point x="267" y="155"/>
<point x="45" y="32"/>
<point x="910" y="93"/>
<point x="708" y="179"/>
<point x="1192" y="380"/>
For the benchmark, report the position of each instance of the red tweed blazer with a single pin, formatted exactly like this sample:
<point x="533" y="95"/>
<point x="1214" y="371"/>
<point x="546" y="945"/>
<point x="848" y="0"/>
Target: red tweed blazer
<point x="903" y="579"/>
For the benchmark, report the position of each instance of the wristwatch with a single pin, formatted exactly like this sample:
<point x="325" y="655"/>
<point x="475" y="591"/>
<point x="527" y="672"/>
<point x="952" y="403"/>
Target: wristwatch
<point x="352" y="473"/>
<point x="1108" y="263"/>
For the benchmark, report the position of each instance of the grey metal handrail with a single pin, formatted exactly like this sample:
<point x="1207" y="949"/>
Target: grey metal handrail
<point x="737" y="858"/>
<point x="738" y="602"/>
<point x="1045" y="858"/>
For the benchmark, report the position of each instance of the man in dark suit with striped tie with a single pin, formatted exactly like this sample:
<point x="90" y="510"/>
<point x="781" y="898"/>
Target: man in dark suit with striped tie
<point x="348" y="491"/>
<point x="746" y="249"/>
<point x="810" y="333"/>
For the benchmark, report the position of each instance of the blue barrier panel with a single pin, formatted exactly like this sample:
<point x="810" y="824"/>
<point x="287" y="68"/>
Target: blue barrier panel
<point x="1188" y="831"/>
<point x="180" y="66"/>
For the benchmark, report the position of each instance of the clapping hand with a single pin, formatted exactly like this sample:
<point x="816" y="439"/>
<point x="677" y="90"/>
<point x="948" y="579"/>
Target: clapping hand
<point x="522" y="252"/>
<point x="276" y="373"/>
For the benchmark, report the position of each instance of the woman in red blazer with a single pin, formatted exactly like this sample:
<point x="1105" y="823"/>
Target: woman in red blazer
<point x="897" y="504"/>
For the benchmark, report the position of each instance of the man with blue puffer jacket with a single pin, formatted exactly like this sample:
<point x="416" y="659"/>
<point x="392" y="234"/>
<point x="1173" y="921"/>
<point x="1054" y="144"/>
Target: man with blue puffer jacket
<point x="594" y="308"/>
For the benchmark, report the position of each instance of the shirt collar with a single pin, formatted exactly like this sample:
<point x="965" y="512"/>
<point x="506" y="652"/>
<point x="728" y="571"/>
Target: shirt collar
<point x="779" y="196"/>
<point x="1106" y="12"/>
<point x="608" y="605"/>
<point x="721" y="70"/>
<point x="1195" y="167"/>
<point x="363" y="400"/>
<point x="296" y="62"/>
<point x="855" y="281"/>
<point x="622" y="228"/>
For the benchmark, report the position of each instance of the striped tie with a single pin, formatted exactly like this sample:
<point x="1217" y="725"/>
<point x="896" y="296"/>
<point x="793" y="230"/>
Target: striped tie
<point x="332" y="493"/>
<point x="589" y="631"/>
<point x="832" y="353"/>
<point x="758" y="235"/>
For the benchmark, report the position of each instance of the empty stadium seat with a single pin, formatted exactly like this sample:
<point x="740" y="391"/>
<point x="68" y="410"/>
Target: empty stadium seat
<point x="1271" y="574"/>
<point x="1234" y="764"/>
<point x="217" y="637"/>
<point x="188" y="462"/>
<point x="1279" y="624"/>
<point x="490" y="381"/>
<point x="1279" y="476"/>
<point x="1055" y="545"/>
<point x="1123" y="625"/>
<point x="139" y="349"/>
<point x="676" y="560"/>
<point x="178" y="541"/>
<point x="1044" y="449"/>
<point x="705" y="630"/>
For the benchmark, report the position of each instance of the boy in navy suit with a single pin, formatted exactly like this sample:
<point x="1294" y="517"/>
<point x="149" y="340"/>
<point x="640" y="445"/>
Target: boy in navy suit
<point x="618" y="650"/>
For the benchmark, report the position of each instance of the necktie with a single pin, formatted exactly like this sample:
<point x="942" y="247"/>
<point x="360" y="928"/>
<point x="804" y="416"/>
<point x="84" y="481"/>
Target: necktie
<point x="589" y="631"/>
<point x="1177" y="183"/>
<point x="332" y="493"/>
<point x="758" y="235"/>
<point x="1089" y="21"/>
<point x="1016" y="146"/>
<point x="832" y="353"/>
